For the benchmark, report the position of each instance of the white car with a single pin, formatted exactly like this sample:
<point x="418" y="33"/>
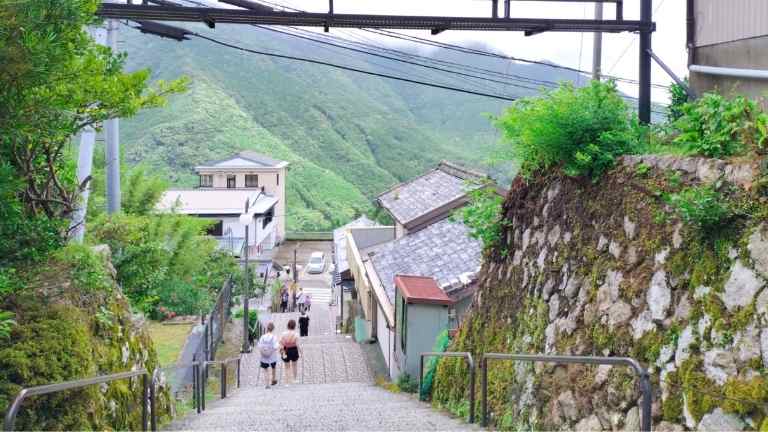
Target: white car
<point x="316" y="263"/>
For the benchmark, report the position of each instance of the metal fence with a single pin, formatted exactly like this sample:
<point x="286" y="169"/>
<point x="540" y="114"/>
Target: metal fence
<point x="470" y="365"/>
<point x="148" y="397"/>
<point x="645" y="382"/>
<point x="213" y="326"/>
<point x="642" y="374"/>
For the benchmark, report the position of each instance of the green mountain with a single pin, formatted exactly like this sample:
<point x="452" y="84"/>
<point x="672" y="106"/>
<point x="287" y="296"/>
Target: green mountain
<point x="348" y="136"/>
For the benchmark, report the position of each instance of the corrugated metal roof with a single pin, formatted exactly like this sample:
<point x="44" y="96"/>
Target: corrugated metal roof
<point x="421" y="289"/>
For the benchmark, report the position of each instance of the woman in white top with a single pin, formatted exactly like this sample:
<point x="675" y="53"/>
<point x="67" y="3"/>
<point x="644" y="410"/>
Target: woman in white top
<point x="268" y="348"/>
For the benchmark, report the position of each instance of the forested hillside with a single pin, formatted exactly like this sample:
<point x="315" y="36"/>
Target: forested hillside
<point x="348" y="136"/>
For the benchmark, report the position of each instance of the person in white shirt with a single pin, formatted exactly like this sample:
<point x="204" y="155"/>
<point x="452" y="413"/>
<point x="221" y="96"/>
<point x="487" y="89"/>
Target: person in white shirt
<point x="301" y="300"/>
<point x="269" y="347"/>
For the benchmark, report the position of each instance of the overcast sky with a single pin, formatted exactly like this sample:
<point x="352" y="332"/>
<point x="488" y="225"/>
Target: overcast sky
<point x="570" y="49"/>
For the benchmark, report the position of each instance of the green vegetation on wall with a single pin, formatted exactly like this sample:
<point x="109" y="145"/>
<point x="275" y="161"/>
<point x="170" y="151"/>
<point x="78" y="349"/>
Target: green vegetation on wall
<point x="581" y="129"/>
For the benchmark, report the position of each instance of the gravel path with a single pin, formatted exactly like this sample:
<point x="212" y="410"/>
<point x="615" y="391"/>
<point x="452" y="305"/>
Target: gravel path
<point x="334" y="391"/>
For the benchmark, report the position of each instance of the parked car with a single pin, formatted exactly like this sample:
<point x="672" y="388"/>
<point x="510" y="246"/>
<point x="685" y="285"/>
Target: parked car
<point x="316" y="263"/>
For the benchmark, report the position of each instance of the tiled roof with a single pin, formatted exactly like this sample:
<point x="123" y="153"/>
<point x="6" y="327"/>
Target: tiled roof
<point x="340" y="243"/>
<point x="245" y="159"/>
<point x="443" y="251"/>
<point x="441" y="186"/>
<point x="421" y="289"/>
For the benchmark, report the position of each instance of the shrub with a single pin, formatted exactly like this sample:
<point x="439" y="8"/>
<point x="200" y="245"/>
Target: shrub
<point x="717" y="127"/>
<point x="584" y="129"/>
<point x="483" y="215"/>
<point x="407" y="384"/>
<point x="703" y="206"/>
<point x="678" y="98"/>
<point x="441" y="344"/>
<point x="253" y="321"/>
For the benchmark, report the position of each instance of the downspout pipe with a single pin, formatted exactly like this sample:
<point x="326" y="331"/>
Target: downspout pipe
<point x="758" y="74"/>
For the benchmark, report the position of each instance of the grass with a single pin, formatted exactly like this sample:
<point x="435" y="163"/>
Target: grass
<point x="169" y="340"/>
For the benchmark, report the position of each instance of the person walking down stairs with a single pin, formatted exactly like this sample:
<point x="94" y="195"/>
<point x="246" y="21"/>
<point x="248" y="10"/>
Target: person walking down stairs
<point x="289" y="343"/>
<point x="268" y="348"/>
<point x="304" y="324"/>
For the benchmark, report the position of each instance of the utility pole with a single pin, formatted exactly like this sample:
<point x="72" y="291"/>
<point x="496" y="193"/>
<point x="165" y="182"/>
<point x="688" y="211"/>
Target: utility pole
<point x="597" y="48"/>
<point x="85" y="161"/>
<point x="644" y="105"/>
<point x="246" y="289"/>
<point x="112" y="133"/>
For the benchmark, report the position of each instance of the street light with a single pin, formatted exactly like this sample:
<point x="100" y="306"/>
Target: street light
<point x="245" y="219"/>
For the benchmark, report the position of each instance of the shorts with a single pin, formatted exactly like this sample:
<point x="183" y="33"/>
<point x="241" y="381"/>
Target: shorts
<point x="291" y="354"/>
<point x="268" y="365"/>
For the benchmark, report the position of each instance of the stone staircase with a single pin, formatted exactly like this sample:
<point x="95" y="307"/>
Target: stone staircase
<point x="334" y="390"/>
<point x="320" y="407"/>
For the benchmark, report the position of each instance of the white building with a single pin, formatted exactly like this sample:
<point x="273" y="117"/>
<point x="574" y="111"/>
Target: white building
<point x="227" y="188"/>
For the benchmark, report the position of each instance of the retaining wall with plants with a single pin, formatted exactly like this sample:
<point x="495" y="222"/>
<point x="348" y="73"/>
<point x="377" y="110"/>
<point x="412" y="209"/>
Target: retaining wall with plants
<point x="664" y="259"/>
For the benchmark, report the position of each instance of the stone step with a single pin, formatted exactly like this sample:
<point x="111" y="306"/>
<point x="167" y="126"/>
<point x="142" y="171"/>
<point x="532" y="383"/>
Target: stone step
<point x="343" y="406"/>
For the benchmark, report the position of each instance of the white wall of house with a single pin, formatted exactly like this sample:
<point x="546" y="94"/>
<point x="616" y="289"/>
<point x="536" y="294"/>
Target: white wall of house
<point x="272" y="179"/>
<point x="386" y="339"/>
<point x="257" y="234"/>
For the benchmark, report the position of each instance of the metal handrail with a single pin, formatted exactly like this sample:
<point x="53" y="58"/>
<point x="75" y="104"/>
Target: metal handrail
<point x="470" y="364"/>
<point x="195" y="365"/>
<point x="642" y="373"/>
<point x="223" y="376"/>
<point x="10" y="415"/>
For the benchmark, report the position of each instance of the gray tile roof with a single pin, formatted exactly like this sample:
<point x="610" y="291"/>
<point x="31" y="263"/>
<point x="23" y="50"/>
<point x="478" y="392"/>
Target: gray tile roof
<point x="443" y="250"/>
<point x="444" y="184"/>
<point x="256" y="159"/>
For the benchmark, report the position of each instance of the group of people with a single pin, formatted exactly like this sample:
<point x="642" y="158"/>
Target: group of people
<point x="286" y="347"/>
<point x="272" y="349"/>
<point x="301" y="299"/>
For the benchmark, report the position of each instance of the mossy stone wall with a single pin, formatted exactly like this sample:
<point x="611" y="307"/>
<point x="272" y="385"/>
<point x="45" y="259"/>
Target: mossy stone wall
<point x="607" y="268"/>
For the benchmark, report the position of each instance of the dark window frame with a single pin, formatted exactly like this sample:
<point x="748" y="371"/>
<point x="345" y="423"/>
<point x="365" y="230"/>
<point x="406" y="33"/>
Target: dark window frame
<point x="206" y="184"/>
<point x="233" y="185"/>
<point x="217" y="229"/>
<point x="267" y="218"/>
<point x="251" y="184"/>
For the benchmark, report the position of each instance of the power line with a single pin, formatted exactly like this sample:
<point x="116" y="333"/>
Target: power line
<point x="467" y="50"/>
<point x="351" y="69"/>
<point x="632" y="42"/>
<point x="397" y="59"/>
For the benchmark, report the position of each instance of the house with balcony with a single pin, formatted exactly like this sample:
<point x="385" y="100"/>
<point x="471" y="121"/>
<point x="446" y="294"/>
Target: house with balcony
<point x="246" y="189"/>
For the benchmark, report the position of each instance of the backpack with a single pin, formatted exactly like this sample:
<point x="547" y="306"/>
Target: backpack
<point x="267" y="346"/>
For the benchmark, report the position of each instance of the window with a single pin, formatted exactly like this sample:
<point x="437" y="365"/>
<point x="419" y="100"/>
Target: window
<point x="231" y="182"/>
<point x="278" y="179"/>
<point x="206" y="180"/>
<point x="251" y="180"/>
<point x="216" y="230"/>
<point x="268" y="216"/>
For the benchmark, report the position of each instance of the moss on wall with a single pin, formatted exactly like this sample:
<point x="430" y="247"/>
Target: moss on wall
<point x="571" y="245"/>
<point x="74" y="323"/>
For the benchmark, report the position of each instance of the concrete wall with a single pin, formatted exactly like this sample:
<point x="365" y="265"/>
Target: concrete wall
<point x="719" y="21"/>
<point x="747" y="54"/>
<point x="371" y="236"/>
<point x="385" y="337"/>
<point x="730" y="34"/>
<point x="273" y="181"/>
<point x="425" y="323"/>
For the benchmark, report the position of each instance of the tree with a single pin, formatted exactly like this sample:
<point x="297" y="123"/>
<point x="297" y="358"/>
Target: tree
<point x="54" y="82"/>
